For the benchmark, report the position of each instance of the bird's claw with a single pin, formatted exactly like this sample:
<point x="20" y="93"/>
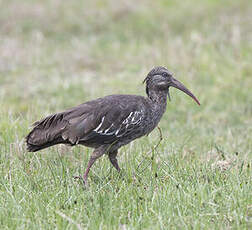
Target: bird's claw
<point x="80" y="178"/>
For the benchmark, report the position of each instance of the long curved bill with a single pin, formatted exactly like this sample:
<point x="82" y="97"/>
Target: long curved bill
<point x="177" y="84"/>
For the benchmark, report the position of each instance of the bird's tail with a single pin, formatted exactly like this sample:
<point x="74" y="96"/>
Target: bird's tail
<point x="36" y="140"/>
<point x="45" y="133"/>
<point x="35" y="148"/>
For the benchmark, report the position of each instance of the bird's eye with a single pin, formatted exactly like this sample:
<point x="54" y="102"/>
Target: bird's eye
<point x="165" y="74"/>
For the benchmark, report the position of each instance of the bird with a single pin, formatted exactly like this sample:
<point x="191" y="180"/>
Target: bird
<point x="108" y="123"/>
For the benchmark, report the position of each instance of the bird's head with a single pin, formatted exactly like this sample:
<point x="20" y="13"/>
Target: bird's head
<point x="160" y="78"/>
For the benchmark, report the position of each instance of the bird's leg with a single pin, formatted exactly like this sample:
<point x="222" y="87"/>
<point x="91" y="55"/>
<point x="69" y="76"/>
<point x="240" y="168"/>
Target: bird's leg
<point x="95" y="155"/>
<point x="113" y="160"/>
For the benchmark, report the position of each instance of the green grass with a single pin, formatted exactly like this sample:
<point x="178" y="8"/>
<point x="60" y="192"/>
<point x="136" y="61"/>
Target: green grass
<point x="57" y="54"/>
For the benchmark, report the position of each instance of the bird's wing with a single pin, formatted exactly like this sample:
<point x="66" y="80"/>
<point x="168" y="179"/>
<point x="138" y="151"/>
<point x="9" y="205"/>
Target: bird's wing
<point x="100" y="121"/>
<point x="54" y="126"/>
<point x="104" y="122"/>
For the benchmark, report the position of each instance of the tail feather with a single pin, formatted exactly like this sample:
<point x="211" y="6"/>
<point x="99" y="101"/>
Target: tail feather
<point x="46" y="133"/>
<point x="35" y="148"/>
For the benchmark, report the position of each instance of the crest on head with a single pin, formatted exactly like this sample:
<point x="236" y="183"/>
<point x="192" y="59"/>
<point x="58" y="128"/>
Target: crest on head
<point x="156" y="71"/>
<point x="159" y="79"/>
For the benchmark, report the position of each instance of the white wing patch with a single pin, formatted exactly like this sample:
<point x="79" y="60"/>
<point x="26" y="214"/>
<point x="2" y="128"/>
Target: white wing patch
<point x="133" y="119"/>
<point x="99" y="126"/>
<point x="129" y="123"/>
<point x="106" y="131"/>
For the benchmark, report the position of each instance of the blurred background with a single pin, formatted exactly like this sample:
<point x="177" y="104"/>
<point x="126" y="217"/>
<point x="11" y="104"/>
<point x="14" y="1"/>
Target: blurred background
<point x="55" y="54"/>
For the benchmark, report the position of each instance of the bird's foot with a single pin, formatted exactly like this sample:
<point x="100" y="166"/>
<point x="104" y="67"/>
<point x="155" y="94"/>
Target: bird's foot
<point x="82" y="180"/>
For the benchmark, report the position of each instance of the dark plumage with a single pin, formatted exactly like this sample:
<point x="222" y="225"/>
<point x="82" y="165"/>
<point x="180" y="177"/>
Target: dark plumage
<point x="107" y="123"/>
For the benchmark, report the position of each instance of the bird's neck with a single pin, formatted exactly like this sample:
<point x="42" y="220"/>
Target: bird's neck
<point x="158" y="99"/>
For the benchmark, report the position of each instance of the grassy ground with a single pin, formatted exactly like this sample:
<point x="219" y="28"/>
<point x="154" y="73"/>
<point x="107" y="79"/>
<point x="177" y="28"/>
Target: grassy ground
<point x="57" y="54"/>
